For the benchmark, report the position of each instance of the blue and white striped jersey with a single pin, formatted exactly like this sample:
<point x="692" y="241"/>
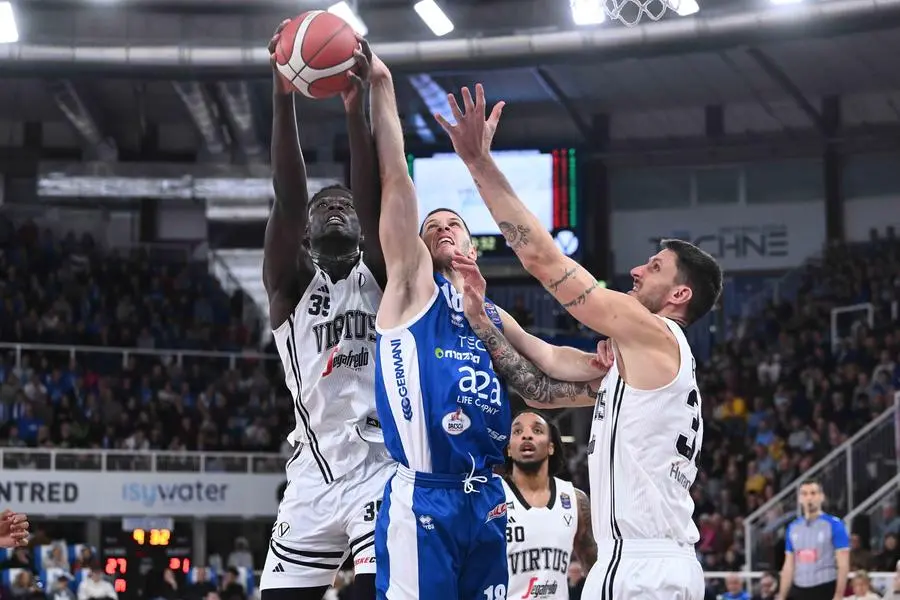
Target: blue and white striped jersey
<point x="442" y="407"/>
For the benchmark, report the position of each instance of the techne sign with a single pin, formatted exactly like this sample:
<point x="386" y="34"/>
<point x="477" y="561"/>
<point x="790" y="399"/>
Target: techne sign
<point x="743" y="238"/>
<point x="140" y="494"/>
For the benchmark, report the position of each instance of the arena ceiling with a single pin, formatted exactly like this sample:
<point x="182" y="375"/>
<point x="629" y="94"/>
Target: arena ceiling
<point x="128" y="66"/>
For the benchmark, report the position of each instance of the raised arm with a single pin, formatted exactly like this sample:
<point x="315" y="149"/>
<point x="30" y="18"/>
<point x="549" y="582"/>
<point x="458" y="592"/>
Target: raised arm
<point x="286" y="270"/>
<point x="522" y="375"/>
<point x="584" y="545"/>
<point x="561" y="362"/>
<point x="364" y="179"/>
<point x="407" y="260"/>
<point x="611" y="313"/>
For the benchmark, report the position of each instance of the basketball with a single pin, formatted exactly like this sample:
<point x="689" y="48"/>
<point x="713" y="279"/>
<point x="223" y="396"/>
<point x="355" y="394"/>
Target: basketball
<point x="315" y="52"/>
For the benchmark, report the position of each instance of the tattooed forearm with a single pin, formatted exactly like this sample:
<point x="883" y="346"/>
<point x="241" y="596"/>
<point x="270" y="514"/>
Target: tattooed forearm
<point x="554" y="285"/>
<point x="516" y="235"/>
<point x="522" y="375"/>
<point x="582" y="296"/>
<point x="584" y="545"/>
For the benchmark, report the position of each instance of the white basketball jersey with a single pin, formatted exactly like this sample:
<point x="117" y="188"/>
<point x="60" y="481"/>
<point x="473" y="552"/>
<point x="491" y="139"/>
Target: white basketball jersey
<point x="539" y="542"/>
<point x="327" y="348"/>
<point x="643" y="453"/>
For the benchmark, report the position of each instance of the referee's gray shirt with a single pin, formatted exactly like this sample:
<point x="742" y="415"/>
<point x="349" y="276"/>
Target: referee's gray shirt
<point x="813" y="544"/>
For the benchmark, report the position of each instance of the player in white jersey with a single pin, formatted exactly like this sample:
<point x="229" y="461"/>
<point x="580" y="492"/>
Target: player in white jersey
<point x="547" y="518"/>
<point x="648" y="429"/>
<point x="323" y="297"/>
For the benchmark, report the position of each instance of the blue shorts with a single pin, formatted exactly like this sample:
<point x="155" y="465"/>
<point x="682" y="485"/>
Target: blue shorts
<point x="435" y="541"/>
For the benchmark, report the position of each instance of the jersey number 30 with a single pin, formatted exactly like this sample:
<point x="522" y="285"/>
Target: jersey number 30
<point x="686" y="445"/>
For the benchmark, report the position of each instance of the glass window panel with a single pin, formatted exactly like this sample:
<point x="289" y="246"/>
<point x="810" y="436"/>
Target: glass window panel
<point x="718" y="185"/>
<point x="872" y="175"/>
<point x="772" y="182"/>
<point x="643" y="189"/>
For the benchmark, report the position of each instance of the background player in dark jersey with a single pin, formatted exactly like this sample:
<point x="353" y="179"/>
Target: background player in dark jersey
<point x="333" y="488"/>
<point x="544" y="524"/>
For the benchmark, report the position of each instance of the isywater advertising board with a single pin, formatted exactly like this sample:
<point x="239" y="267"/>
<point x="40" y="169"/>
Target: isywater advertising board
<point x="762" y="237"/>
<point x="145" y="494"/>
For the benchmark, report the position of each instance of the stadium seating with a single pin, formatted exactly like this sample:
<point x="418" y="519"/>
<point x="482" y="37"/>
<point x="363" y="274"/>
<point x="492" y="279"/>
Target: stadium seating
<point x="70" y="291"/>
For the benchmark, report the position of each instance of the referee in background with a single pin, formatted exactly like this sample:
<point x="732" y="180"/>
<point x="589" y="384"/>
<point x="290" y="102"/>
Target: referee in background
<point x="816" y="551"/>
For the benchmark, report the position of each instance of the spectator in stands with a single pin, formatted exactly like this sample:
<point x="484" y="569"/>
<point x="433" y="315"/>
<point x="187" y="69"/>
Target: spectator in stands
<point x="241" y="556"/>
<point x="20" y="559"/>
<point x="768" y="587"/>
<point x="57" y="558"/>
<point x="96" y="587"/>
<point x="817" y="560"/>
<point x="60" y="589"/>
<point x="85" y="559"/>
<point x="887" y="559"/>
<point x="734" y="589"/>
<point x="201" y="587"/>
<point x="230" y="588"/>
<point x="25" y="586"/>
<point x="862" y="587"/>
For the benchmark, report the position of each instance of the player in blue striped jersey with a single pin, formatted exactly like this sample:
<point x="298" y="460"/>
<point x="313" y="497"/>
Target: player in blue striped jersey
<point x="444" y="411"/>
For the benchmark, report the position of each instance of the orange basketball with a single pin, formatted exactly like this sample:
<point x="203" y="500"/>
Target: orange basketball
<point x="315" y="52"/>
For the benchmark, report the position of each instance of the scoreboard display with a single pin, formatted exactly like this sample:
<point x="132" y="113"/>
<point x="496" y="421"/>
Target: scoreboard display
<point x="547" y="182"/>
<point x="135" y="549"/>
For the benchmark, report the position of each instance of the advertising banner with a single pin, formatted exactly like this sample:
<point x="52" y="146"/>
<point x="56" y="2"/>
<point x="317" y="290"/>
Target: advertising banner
<point x="762" y="237"/>
<point x="81" y="493"/>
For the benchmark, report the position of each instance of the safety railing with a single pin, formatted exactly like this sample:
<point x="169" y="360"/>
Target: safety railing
<point x="841" y="326"/>
<point x="848" y="474"/>
<point x="150" y="461"/>
<point x="880" y="509"/>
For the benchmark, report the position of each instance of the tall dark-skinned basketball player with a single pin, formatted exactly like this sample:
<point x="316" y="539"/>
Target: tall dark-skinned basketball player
<point x="324" y="292"/>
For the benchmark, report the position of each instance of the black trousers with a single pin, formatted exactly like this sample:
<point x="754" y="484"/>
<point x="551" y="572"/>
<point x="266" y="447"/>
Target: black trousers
<point x="818" y="592"/>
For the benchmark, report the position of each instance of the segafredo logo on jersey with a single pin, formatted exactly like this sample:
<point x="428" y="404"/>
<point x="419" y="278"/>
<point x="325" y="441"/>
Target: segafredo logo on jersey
<point x="352" y="360"/>
<point x="535" y="589"/>
<point x="400" y="378"/>
<point x="456" y="422"/>
<point x="450" y="354"/>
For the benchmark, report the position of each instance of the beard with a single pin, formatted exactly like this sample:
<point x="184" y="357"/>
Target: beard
<point x="531" y="466"/>
<point x="652" y="302"/>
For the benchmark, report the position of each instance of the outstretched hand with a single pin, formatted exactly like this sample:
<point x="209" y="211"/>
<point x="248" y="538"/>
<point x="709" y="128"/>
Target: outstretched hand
<point x="474" y="285"/>
<point x="354" y="95"/>
<point x="13" y="529"/>
<point x="473" y="133"/>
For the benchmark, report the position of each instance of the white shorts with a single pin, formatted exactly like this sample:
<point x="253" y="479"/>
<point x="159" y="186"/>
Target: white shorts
<point x="646" y="570"/>
<point x="319" y="525"/>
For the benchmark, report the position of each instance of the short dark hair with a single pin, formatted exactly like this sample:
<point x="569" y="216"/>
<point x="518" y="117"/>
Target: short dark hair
<point x="811" y="481"/>
<point x="556" y="462"/>
<point x="699" y="271"/>
<point x="335" y="189"/>
<point x="449" y="210"/>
